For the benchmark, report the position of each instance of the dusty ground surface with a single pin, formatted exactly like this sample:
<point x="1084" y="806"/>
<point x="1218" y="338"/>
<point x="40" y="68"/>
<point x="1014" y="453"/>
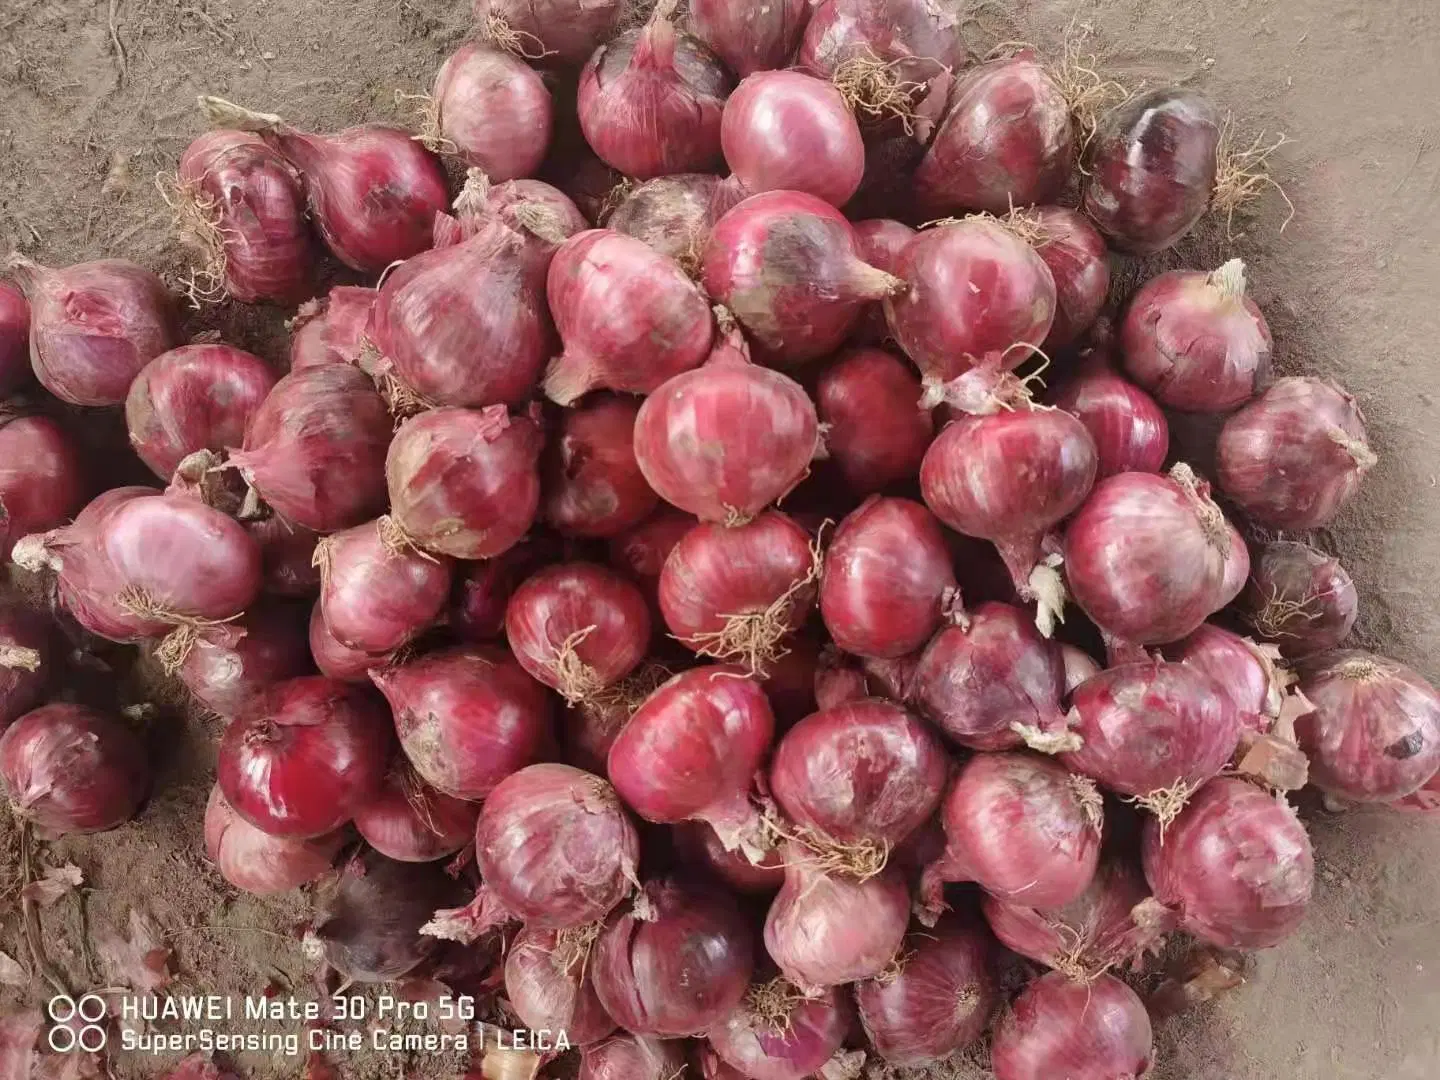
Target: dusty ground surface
<point x="96" y="96"/>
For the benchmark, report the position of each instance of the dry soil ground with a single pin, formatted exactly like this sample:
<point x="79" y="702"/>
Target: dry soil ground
<point x="96" y="96"/>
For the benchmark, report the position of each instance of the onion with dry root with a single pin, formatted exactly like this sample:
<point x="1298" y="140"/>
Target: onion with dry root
<point x="1299" y="598"/>
<point x="490" y="109"/>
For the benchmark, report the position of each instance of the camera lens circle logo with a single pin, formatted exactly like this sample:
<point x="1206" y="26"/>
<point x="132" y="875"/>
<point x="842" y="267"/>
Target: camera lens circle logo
<point x="65" y="1035"/>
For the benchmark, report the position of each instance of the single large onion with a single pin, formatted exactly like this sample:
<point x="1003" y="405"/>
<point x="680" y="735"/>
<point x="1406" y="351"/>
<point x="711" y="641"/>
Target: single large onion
<point x="331" y="330"/>
<point x="876" y="432"/>
<point x="73" y="769"/>
<point x="550" y="986"/>
<point x="561" y="31"/>
<point x="593" y="485"/>
<point x="939" y="999"/>
<point x="492" y="110"/>
<point x="409" y="821"/>
<point x="233" y="663"/>
<point x="14" y="338"/>
<point x="1300" y="598"/>
<point x="633" y="1057"/>
<point x="93" y="326"/>
<point x="1129" y="429"/>
<point x="750" y="38"/>
<point x="376" y="592"/>
<point x="1023" y="827"/>
<point x="1295" y="455"/>
<point x="1235" y="866"/>
<point x="467" y="717"/>
<point x="1374" y="735"/>
<point x="1096" y="1030"/>
<point x="27" y="660"/>
<point x="42" y="478"/>
<point x="778" y="1033"/>
<point x="1080" y="264"/>
<point x="260" y="863"/>
<point x="677" y="964"/>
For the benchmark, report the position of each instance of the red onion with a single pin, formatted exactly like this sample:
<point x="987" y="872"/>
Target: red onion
<point x="410" y="821"/>
<point x="1080" y="264"/>
<point x="260" y="863"/>
<point x="560" y="31"/>
<point x="377" y="593"/>
<point x="777" y="1033"/>
<point x="1079" y="666"/>
<point x="1236" y="866"/>
<point x="1023" y="826"/>
<point x="642" y="551"/>
<point x="288" y="553"/>
<point x="628" y="315"/>
<point x="789" y="681"/>
<point x="467" y="717"/>
<point x="1129" y="429"/>
<point x="787" y="131"/>
<point x="750" y="38"/>
<point x="938" y="999"/>
<point x="331" y="330"/>
<point x="465" y="482"/>
<point x="679" y="963"/>
<point x="373" y="190"/>
<point x="839" y="679"/>
<point x="1152" y="168"/>
<point x="593" y="485"/>
<point x="338" y="661"/>
<point x="650" y="100"/>
<point x="829" y="929"/>
<point x="93" y="326"/>
<point x="1244" y="671"/>
<point x="1299" y="598"/>
<point x="243" y="207"/>
<point x="305" y="757"/>
<point x="231" y="664"/>
<point x="1006" y="141"/>
<point x="876" y="432"/>
<point x="14" y="338"/>
<point x="42" y="482"/>
<point x="1196" y="341"/>
<point x="787" y="264"/>
<point x="630" y="1057"/>
<point x="689" y="446"/>
<point x="674" y="214"/>
<point x="977" y="293"/>
<point x="73" y="769"/>
<point x="1295" y="455"/>
<point x="578" y="628"/>
<point x="318" y="424"/>
<point x="691" y="751"/>
<point x="550" y="986"/>
<point x="880" y="242"/>
<point x="993" y="682"/>
<point x="196" y="397"/>
<point x="26" y="660"/>
<point x="1112" y="922"/>
<point x="1146" y="557"/>
<point x="704" y="851"/>
<point x="1096" y="1030"/>
<point x="737" y="594"/>
<point x="492" y="110"/>
<point x="483" y="589"/>
<point x="1375" y="733"/>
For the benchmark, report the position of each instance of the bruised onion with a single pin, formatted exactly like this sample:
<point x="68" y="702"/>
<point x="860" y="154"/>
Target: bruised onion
<point x="73" y="769"/>
<point x="1300" y="598"/>
<point x="233" y="663"/>
<point x="257" y="862"/>
<point x="409" y="821"/>
<point x="550" y="986"/>
<point x="593" y="484"/>
<point x="331" y="330"/>
<point x="1095" y="1030"/>
<point x="1295" y="455"/>
<point x="26" y="660"/>
<point x="1129" y="429"/>
<point x="492" y="110"/>
<point x="377" y="593"/>
<point x="562" y="31"/>
<point x="778" y="1033"/>
<point x="42" y="478"/>
<point x="1080" y="264"/>
<point x="750" y="38"/>
<point x="876" y="433"/>
<point x="14" y="338"/>
<point x="673" y="214"/>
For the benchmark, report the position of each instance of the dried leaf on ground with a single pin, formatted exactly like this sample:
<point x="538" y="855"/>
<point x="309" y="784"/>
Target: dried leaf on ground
<point x="143" y="961"/>
<point x="56" y="882"/>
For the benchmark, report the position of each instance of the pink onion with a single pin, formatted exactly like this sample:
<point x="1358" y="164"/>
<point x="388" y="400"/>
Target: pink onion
<point x="318" y="424"/>
<point x="650" y="100"/>
<point x="301" y="760"/>
<point x="14" y="338"/>
<point x="702" y="849"/>
<point x="410" y="821"/>
<point x="42" y="479"/>
<point x="93" y="326"/>
<point x="1236" y="866"/>
<point x="787" y="264"/>
<point x="550" y="986"/>
<point x="1300" y="598"/>
<point x="777" y="1033"/>
<point x="674" y="214"/>
<point x="560" y="31"/>
<point x="629" y="317"/>
<point x="938" y="1000"/>
<point x="1097" y="1030"/>
<point x="977" y="293"/>
<point x="750" y="38"/>
<point x="196" y="397"/>
<point x="1080" y="264"/>
<point x="593" y="485"/>
<point x="338" y="661"/>
<point x="632" y="1057"/>
<point x="73" y="769"/>
<point x="1375" y="733"/>
<point x="876" y="433"/>
<point x="260" y="863"/>
<point x="331" y="330"/>
<point x="1129" y="429"/>
<point x="1244" y="671"/>
<point x="467" y="717"/>
<point x="1295" y="455"/>
<point x="483" y="589"/>
<point x="492" y="110"/>
<point x="373" y="190"/>
<point x="377" y="593"/>
<point x="465" y="482"/>
<point x="235" y="662"/>
<point x="27" y="660"/>
<point x="1023" y="827"/>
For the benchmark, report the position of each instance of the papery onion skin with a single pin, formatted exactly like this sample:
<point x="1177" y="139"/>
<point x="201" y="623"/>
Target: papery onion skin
<point x="42" y="478"/>
<point x="493" y="109"/>
<point x="27" y="658"/>
<point x="14" y="338"/>
<point x="629" y="317"/>
<point x="1096" y="1030"/>
<point x="1375" y="733"/>
<point x="318" y="424"/>
<point x="593" y="485"/>
<point x="876" y="433"/>
<point x="73" y="769"/>
<point x="304" y="757"/>
<point x="94" y="325"/>
<point x="231" y="664"/>
<point x="1236" y="866"/>
<point x="681" y="968"/>
<point x="465" y="482"/>
<point x="1006" y="141"/>
<point x="1152" y="168"/>
<point x="196" y="397"/>
<point x="257" y="862"/>
<point x="563" y="31"/>
<point x="331" y="330"/>
<point x="790" y="1047"/>
<point x="337" y="661"/>
<point x="1299" y="598"/>
<point x="1080" y="264"/>
<point x="550" y="989"/>
<point x="750" y="38"/>
<point x="409" y="821"/>
<point x="673" y="214"/>
<point x="467" y="717"/>
<point x="1295" y="455"/>
<point x="788" y="131"/>
<point x="702" y="848"/>
<point x="377" y="594"/>
<point x="633" y="1057"/>
<point x="1079" y="666"/>
<point x="1129" y="428"/>
<point x="940" y="1001"/>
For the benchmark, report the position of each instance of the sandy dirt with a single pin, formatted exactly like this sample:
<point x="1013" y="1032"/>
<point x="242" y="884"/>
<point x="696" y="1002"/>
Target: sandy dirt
<point x="97" y="96"/>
